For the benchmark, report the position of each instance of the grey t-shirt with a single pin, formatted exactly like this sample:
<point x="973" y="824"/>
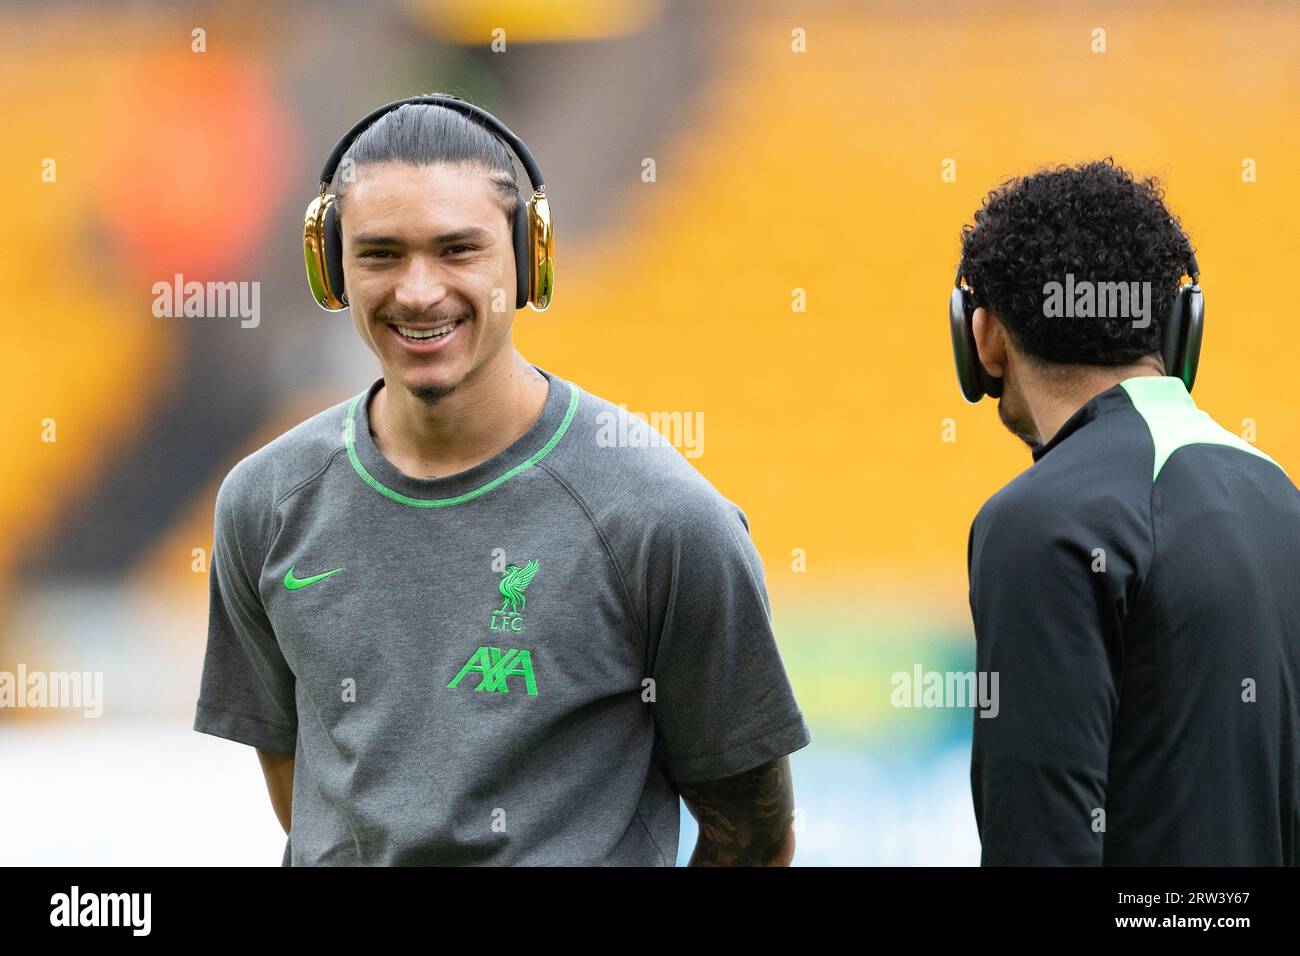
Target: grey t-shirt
<point x="509" y="665"/>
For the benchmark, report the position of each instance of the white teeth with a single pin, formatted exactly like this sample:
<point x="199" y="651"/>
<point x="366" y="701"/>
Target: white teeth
<point x="427" y="333"/>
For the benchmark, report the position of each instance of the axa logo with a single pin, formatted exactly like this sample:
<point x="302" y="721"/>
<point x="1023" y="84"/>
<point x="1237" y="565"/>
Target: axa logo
<point x="495" y="666"/>
<point x="514" y="580"/>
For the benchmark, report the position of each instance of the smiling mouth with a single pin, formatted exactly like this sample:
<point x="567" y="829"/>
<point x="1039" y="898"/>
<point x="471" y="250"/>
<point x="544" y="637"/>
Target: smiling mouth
<point x="430" y="334"/>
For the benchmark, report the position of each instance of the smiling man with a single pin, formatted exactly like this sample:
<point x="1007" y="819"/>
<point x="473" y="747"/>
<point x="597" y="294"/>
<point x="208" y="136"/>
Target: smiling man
<point x="458" y="628"/>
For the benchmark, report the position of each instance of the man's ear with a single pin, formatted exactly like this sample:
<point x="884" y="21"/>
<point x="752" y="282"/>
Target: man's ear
<point x="990" y="341"/>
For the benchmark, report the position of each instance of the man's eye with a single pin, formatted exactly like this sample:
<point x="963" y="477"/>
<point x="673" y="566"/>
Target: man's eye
<point x="375" y="254"/>
<point x="456" y="250"/>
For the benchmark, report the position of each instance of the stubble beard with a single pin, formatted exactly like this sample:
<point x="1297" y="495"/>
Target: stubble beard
<point x="1018" y="429"/>
<point x="431" y="394"/>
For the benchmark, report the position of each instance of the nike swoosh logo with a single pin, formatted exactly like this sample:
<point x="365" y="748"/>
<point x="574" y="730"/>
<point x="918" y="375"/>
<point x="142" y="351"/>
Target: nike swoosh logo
<point x="294" y="584"/>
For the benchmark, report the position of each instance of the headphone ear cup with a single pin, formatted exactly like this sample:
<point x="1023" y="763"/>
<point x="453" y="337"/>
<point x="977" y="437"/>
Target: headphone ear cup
<point x="1182" y="349"/>
<point x="974" y="379"/>
<point x="523" y="268"/>
<point x="962" y="346"/>
<point x="1173" y="336"/>
<point x="1195" y="332"/>
<point x="332" y="248"/>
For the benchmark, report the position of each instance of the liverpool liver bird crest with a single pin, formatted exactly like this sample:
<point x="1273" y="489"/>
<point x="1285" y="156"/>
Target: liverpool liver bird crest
<point x="513" y="583"/>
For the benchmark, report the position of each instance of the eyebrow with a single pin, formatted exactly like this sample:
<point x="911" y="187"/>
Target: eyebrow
<point x="474" y="233"/>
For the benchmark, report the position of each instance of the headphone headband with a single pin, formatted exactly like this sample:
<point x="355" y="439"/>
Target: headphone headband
<point x="531" y="234"/>
<point x="448" y="102"/>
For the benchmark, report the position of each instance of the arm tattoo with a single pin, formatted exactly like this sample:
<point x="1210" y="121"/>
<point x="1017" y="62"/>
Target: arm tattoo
<point x="744" y="820"/>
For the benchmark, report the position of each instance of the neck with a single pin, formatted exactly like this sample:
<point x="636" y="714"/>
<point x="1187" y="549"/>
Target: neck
<point x="488" y="412"/>
<point x="1057" y="393"/>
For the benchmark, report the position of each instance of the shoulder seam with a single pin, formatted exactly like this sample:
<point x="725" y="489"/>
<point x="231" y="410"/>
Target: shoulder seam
<point x="266" y="545"/>
<point x="1146" y="578"/>
<point x="640" y="627"/>
<point x="309" y="479"/>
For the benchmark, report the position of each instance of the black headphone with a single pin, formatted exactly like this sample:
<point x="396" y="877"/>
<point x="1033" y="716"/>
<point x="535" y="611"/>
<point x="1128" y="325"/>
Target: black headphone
<point x="531" y="231"/>
<point x="1180" y="338"/>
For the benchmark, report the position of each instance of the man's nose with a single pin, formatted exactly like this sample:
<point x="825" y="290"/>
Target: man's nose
<point x="421" y="285"/>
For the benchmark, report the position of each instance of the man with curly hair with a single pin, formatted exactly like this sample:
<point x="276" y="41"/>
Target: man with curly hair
<point x="1137" y="589"/>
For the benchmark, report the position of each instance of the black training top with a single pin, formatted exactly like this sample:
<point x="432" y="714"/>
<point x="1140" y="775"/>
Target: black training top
<point x="1137" y="593"/>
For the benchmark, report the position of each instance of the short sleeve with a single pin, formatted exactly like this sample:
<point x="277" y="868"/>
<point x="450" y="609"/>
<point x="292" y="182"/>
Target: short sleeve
<point x="723" y="702"/>
<point x="1045" y="626"/>
<point x="246" y="693"/>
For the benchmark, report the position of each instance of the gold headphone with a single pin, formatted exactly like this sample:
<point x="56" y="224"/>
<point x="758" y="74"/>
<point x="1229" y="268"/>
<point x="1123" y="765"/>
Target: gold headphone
<point x="531" y="232"/>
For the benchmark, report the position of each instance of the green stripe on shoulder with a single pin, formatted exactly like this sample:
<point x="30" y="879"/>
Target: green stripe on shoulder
<point x="1174" y="420"/>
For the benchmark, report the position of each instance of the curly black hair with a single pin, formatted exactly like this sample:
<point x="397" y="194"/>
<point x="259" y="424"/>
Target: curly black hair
<point x="1095" y="221"/>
